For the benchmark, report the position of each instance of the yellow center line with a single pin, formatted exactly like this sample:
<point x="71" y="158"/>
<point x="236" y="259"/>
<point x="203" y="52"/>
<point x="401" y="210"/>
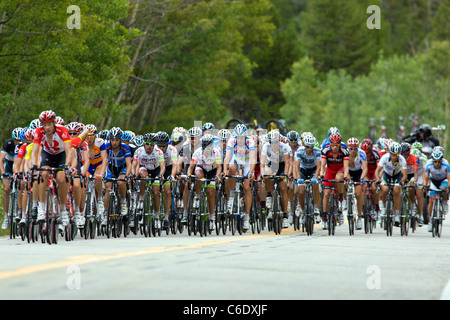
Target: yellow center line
<point x="91" y="258"/>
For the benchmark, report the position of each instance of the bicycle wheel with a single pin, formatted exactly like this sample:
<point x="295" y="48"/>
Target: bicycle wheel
<point x="350" y="216"/>
<point x="389" y="225"/>
<point x="331" y="218"/>
<point x="405" y="211"/>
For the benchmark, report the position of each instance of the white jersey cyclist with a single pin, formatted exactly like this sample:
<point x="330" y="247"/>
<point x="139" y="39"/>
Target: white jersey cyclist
<point x="392" y="169"/>
<point x="149" y="161"/>
<point x="206" y="160"/>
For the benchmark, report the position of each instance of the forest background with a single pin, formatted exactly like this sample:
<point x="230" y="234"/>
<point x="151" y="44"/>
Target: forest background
<point x="150" y="65"/>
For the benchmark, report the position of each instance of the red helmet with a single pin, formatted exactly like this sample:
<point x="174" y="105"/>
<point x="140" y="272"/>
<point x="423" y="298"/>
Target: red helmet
<point x="47" y="116"/>
<point x="335" y="138"/>
<point x="366" y="145"/>
<point x="352" y="143"/>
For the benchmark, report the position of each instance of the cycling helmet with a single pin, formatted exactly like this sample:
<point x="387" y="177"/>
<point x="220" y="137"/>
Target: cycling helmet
<point x="395" y="148"/>
<point x="126" y="136"/>
<point x="332" y="131"/>
<point x="138" y="140"/>
<point x="426" y="130"/>
<point x="416" y="145"/>
<point x="74" y="126"/>
<point x="208" y="126"/>
<point x="194" y="132"/>
<point x="29" y="134"/>
<point x="387" y="143"/>
<point x="309" y="141"/>
<point x="177" y="138"/>
<point x="132" y="134"/>
<point x="380" y="143"/>
<point x="179" y="130"/>
<point x="224" y="135"/>
<point x="162" y="137"/>
<point x="406" y="147"/>
<point x="427" y="150"/>
<point x="439" y="148"/>
<point x="366" y="145"/>
<point x="36" y="123"/>
<point x="47" y="116"/>
<point x="22" y="134"/>
<point x="304" y="134"/>
<point x="335" y="138"/>
<point x="292" y="136"/>
<point x="115" y="133"/>
<point x="240" y="130"/>
<point x="353" y="143"/>
<point x="273" y="136"/>
<point x="15" y="134"/>
<point x="150" y="138"/>
<point x="207" y="141"/>
<point x="92" y="130"/>
<point x="437" y="154"/>
<point x="103" y="134"/>
<point x="59" y="121"/>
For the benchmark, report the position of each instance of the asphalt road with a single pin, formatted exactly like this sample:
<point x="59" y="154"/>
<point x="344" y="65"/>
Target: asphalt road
<point x="267" y="266"/>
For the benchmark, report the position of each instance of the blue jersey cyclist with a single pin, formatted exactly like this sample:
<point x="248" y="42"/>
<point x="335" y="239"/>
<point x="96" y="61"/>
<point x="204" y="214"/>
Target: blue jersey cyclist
<point x="119" y="166"/>
<point x="436" y="176"/>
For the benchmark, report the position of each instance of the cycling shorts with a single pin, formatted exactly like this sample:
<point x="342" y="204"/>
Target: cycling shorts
<point x="331" y="175"/>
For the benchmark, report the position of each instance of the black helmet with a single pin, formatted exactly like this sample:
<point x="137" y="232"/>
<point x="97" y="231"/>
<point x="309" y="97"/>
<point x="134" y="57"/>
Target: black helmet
<point x="150" y="137"/>
<point x="207" y="140"/>
<point x="426" y="130"/>
<point x="162" y="137"/>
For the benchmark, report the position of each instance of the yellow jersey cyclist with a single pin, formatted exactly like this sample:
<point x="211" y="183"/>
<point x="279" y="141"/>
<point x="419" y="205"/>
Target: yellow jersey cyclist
<point x="98" y="160"/>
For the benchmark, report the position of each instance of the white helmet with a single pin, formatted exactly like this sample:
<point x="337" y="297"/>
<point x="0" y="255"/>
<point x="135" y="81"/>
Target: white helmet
<point x="395" y="148"/>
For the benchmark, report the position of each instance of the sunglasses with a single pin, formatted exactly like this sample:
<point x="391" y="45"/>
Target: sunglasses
<point x="73" y="133"/>
<point x="149" y="143"/>
<point x="163" y="145"/>
<point x="352" y="148"/>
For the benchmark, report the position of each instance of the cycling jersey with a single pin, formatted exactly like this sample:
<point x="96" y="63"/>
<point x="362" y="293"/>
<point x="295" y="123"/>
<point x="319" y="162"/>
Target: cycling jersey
<point x="359" y="159"/>
<point x="307" y="162"/>
<point x="170" y="156"/>
<point x="60" y="136"/>
<point x="411" y="164"/>
<point x="438" y="177"/>
<point x="277" y="155"/>
<point x="390" y="168"/>
<point x="241" y="153"/>
<point x="117" y="159"/>
<point x="29" y="151"/>
<point x="372" y="162"/>
<point x="206" y="162"/>
<point x="149" y="161"/>
<point x="334" y="164"/>
<point x="326" y="143"/>
<point x="95" y="157"/>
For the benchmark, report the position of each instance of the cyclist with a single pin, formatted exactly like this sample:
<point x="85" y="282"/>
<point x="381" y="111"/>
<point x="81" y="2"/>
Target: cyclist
<point x="334" y="166"/>
<point x="307" y="161"/>
<point x="6" y="169"/>
<point x="206" y="162"/>
<point x="80" y="155"/>
<point x="357" y="165"/>
<point x="98" y="160"/>
<point x="437" y="175"/>
<point x="392" y="169"/>
<point x="373" y="158"/>
<point x="412" y="169"/>
<point x="275" y="162"/>
<point x="422" y="163"/>
<point x="184" y="160"/>
<point x="150" y="161"/>
<point x="240" y="155"/>
<point x="119" y="166"/>
<point x="293" y="140"/>
<point x="53" y="143"/>
<point x="170" y="155"/>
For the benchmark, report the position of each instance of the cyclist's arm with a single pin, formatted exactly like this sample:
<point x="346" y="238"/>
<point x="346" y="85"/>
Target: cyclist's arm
<point x="35" y="154"/>
<point x="162" y="165"/>
<point x="323" y="163"/>
<point x="252" y="161"/>
<point x="191" y="167"/>
<point x="2" y="162"/>
<point x="86" y="162"/>
<point x="404" y="175"/>
<point x="296" y="169"/>
<point x="287" y="165"/>
<point x="346" y="171"/>
<point x="226" y="162"/>
<point x="365" y="169"/>
<point x="377" y="172"/>
<point x="104" y="162"/>
<point x="69" y="154"/>
<point x="128" y="162"/>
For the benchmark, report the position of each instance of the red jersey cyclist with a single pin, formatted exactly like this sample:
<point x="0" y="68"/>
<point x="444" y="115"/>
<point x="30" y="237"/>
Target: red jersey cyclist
<point x="334" y="166"/>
